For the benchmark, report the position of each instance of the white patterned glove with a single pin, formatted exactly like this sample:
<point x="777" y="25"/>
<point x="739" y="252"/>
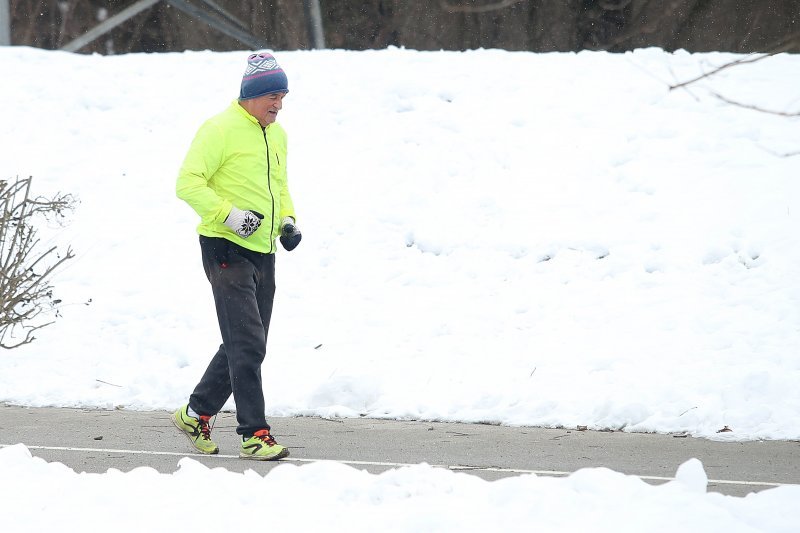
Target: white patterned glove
<point x="243" y="223"/>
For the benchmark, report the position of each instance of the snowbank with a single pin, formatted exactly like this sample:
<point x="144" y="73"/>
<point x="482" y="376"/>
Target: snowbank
<point x="329" y="496"/>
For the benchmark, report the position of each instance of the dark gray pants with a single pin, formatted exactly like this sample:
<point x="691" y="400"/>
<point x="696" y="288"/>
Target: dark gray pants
<point x="243" y="284"/>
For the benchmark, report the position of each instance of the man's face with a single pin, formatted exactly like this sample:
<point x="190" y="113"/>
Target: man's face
<point x="265" y="108"/>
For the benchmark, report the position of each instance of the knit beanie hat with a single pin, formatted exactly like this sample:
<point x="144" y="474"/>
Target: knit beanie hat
<point x="262" y="76"/>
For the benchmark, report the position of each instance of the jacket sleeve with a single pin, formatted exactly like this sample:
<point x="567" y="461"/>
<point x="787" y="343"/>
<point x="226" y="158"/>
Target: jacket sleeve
<point x="287" y="206"/>
<point x="204" y="158"/>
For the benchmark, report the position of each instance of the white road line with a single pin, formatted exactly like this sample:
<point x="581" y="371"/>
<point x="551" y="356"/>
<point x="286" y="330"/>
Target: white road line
<point x="457" y="468"/>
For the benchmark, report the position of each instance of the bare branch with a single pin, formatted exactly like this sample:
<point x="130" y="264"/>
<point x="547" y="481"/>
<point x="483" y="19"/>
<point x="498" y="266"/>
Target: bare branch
<point x="780" y="154"/>
<point x="785" y="44"/>
<point x="611" y="6"/>
<point x="452" y="8"/>
<point x="29" y="338"/>
<point x="755" y="107"/>
<point x="738" y="62"/>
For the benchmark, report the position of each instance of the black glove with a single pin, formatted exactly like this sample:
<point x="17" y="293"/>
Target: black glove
<point x="290" y="234"/>
<point x="243" y="223"/>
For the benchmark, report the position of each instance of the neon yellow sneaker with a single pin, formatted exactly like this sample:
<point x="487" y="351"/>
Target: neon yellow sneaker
<point x="196" y="429"/>
<point x="262" y="447"/>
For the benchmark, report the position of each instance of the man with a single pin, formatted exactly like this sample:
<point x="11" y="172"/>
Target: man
<point x="234" y="177"/>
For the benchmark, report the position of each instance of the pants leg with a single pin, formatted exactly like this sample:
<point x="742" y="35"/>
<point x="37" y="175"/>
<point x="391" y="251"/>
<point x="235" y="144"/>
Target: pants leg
<point x="243" y="284"/>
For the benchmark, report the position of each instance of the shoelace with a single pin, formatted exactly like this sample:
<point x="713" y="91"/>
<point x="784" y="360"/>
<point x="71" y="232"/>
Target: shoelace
<point x="204" y="428"/>
<point x="264" y="436"/>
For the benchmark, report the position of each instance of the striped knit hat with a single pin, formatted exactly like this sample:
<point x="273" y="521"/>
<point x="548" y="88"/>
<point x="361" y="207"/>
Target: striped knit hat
<point x="262" y="76"/>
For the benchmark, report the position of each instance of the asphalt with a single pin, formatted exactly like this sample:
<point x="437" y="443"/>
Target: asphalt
<point x="97" y="440"/>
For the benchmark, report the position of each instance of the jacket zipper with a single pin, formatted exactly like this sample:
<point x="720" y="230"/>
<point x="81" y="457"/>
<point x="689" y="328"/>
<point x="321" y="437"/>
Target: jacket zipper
<point x="272" y="196"/>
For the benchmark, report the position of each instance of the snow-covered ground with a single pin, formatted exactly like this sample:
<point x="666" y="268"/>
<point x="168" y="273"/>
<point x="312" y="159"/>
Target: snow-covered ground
<point x="516" y="238"/>
<point x="330" y="496"/>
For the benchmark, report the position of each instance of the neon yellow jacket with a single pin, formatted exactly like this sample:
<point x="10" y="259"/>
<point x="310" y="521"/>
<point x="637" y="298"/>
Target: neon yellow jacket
<point x="228" y="164"/>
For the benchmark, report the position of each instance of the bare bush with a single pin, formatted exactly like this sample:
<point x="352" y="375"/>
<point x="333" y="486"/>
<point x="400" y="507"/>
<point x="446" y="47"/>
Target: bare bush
<point x="26" y="296"/>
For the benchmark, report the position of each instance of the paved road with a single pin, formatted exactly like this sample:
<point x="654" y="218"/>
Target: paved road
<point x="95" y="440"/>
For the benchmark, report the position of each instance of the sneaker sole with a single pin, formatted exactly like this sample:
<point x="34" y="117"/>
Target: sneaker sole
<point x="280" y="455"/>
<point x="175" y="423"/>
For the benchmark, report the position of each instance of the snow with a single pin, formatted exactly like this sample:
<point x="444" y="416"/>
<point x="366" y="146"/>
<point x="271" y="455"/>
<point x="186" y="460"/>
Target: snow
<point x="329" y="496"/>
<point x="504" y="237"/>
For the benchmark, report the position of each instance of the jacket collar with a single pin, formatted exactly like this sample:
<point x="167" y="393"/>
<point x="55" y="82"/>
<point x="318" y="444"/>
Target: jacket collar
<point x="244" y="113"/>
